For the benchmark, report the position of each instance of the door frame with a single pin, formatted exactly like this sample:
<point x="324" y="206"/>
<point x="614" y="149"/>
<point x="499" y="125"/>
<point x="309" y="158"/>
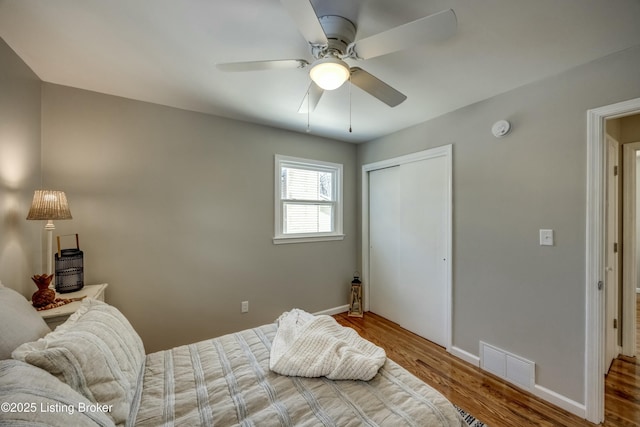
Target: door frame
<point x="446" y="151"/>
<point x="595" y="250"/>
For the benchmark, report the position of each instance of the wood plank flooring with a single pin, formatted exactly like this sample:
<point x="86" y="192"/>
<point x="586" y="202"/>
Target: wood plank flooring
<point x="622" y="386"/>
<point x="485" y="396"/>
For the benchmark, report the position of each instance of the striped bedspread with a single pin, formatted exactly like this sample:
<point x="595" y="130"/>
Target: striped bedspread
<point x="226" y="381"/>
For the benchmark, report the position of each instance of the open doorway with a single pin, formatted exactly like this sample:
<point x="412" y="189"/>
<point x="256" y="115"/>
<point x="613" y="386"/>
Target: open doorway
<point x="622" y="241"/>
<point x="595" y="337"/>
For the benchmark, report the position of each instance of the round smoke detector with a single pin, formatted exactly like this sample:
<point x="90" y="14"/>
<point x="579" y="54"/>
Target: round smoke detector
<point x="500" y="128"/>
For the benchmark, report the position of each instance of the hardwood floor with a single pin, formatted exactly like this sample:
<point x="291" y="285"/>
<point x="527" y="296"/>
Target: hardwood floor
<point x="622" y="386"/>
<point x="485" y="396"/>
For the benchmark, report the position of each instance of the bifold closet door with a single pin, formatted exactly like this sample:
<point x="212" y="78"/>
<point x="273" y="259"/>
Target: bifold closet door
<point x="408" y="226"/>
<point x="384" y="252"/>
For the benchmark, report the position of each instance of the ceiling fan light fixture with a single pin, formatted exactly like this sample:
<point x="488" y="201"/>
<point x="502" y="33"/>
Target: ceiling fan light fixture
<point x="329" y="73"/>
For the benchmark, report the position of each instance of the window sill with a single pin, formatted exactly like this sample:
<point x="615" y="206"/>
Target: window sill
<point x="281" y="240"/>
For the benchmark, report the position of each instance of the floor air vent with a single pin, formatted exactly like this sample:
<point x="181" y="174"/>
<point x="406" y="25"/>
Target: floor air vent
<point x="508" y="366"/>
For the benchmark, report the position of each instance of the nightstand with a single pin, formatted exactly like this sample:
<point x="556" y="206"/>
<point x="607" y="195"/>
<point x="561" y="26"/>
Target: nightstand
<point x="58" y="315"/>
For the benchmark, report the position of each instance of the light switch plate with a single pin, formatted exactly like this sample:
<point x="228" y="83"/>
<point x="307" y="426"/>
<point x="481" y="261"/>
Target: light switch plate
<point x="546" y="237"/>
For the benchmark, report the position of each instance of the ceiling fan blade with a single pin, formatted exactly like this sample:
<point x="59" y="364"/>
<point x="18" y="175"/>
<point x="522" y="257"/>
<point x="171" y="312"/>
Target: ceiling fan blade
<point x="306" y="19"/>
<point x="278" y="64"/>
<point x="311" y="98"/>
<point x="376" y="87"/>
<point x="430" y="28"/>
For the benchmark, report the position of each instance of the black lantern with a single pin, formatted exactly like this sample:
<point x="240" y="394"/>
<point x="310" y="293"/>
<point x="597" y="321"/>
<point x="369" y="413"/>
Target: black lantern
<point x="69" y="268"/>
<point x="355" y="297"/>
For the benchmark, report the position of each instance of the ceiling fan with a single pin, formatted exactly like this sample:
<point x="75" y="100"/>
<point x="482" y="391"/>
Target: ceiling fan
<point x="332" y="41"/>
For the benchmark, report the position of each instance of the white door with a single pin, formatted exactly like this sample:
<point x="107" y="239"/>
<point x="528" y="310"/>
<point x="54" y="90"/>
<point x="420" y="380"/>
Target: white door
<point x="612" y="253"/>
<point x="409" y="229"/>
<point x="384" y="203"/>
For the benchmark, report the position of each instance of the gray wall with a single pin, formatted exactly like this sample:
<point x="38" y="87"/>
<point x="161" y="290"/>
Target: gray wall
<point x="508" y="291"/>
<point x="20" y="250"/>
<point x="175" y="211"/>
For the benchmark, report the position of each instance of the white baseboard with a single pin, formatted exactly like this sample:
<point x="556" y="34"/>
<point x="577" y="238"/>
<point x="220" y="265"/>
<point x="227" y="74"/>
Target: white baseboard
<point x="466" y="356"/>
<point x="334" y="310"/>
<point x="563" y="402"/>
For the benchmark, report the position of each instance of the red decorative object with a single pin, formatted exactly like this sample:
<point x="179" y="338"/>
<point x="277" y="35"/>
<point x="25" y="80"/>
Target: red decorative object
<point x="43" y="295"/>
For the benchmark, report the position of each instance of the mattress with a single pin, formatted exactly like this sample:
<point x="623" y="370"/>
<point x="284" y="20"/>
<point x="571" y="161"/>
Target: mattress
<point x="226" y="381"/>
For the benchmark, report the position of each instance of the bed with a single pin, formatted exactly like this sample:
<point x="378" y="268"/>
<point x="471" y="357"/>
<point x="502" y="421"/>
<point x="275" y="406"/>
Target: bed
<point x="93" y="371"/>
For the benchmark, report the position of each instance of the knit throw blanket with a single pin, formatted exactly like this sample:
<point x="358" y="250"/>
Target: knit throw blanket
<point x="317" y="346"/>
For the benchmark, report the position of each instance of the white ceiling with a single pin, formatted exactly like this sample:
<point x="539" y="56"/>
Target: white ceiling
<point x="165" y="51"/>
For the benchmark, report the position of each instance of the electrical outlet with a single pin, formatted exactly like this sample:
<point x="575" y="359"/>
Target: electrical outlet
<point x="245" y="306"/>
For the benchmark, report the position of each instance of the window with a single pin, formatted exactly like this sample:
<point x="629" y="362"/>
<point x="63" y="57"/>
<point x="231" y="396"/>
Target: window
<point x="308" y="200"/>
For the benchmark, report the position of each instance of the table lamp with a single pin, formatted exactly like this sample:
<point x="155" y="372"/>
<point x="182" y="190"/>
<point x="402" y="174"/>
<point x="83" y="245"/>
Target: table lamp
<point x="49" y="205"/>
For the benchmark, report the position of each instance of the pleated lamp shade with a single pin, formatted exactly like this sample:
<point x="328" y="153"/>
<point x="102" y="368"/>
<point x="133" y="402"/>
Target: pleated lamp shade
<point x="49" y="205"/>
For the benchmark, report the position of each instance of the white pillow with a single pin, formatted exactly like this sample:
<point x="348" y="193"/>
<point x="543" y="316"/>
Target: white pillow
<point x="19" y="322"/>
<point x="33" y="397"/>
<point x="96" y="352"/>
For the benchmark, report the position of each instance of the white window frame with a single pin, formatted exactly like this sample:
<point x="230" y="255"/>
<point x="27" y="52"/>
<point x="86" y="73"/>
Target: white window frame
<point x="284" y="161"/>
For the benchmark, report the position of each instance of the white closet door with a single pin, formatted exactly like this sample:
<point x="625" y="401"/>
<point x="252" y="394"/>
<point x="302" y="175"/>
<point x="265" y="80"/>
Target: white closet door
<point x="422" y="234"/>
<point x="409" y="222"/>
<point x="384" y="247"/>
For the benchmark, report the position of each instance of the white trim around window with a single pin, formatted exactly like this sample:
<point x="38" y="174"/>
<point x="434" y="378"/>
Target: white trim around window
<point x="307" y="200"/>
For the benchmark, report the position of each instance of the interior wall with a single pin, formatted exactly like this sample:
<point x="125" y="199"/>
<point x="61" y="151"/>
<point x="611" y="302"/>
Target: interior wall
<point x="630" y="129"/>
<point x="20" y="250"/>
<point x="175" y="210"/>
<point x="508" y="290"/>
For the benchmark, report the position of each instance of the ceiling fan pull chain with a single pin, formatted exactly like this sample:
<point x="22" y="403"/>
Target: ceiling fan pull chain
<point x="308" y="109"/>
<point x="350" y="130"/>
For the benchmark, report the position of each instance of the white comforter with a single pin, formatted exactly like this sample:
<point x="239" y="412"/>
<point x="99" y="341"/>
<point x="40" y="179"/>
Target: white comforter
<point x="317" y="346"/>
